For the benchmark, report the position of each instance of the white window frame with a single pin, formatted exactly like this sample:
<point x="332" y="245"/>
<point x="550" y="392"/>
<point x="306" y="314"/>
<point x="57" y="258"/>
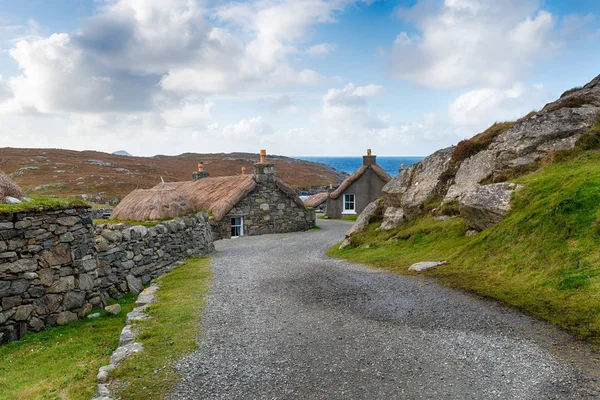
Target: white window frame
<point x="347" y="210"/>
<point x="241" y="226"/>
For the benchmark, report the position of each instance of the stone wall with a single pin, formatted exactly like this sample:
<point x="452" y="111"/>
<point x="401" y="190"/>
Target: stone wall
<point x="54" y="268"/>
<point x="129" y="257"/>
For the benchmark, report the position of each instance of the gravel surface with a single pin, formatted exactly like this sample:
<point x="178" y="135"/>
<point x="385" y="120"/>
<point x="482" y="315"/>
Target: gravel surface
<point x="284" y="321"/>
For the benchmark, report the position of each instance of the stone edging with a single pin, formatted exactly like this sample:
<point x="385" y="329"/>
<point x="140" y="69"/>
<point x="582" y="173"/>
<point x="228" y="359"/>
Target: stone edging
<point x="127" y="344"/>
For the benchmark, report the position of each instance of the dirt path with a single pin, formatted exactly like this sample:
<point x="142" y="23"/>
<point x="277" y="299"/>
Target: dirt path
<point x="285" y="321"/>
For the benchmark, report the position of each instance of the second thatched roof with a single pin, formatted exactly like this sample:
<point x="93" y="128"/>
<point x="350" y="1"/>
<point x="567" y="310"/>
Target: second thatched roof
<point x="8" y="188"/>
<point x="316" y="199"/>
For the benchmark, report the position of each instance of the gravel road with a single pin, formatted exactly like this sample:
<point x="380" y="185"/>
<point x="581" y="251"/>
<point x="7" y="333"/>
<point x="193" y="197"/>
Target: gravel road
<point x="284" y="321"/>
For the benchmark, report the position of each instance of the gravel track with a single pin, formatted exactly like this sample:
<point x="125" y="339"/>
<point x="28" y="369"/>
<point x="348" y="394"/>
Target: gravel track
<point x="284" y="321"/>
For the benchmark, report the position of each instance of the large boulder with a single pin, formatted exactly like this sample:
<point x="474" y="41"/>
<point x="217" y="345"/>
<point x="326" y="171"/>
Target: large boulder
<point x="485" y="206"/>
<point x="361" y="222"/>
<point x="392" y="217"/>
<point x="424" y="181"/>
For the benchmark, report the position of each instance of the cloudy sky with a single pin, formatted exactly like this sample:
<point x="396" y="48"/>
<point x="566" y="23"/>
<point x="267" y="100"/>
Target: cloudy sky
<point x="297" y="77"/>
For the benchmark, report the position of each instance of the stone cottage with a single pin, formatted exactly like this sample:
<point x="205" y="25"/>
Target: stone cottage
<point x="317" y="201"/>
<point x="238" y="205"/>
<point x="358" y="190"/>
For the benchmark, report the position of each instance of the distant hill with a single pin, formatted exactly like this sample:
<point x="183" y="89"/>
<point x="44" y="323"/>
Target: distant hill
<point x="122" y="153"/>
<point x="102" y="176"/>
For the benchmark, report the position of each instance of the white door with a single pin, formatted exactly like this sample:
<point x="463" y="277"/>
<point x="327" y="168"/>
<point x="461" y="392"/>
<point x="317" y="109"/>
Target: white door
<point x="237" y="227"/>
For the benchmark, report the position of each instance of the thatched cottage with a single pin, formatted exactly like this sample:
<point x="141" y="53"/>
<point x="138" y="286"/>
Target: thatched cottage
<point x="239" y="205"/>
<point x="358" y="190"/>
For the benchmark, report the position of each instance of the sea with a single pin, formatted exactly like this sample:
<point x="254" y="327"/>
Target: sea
<point x="391" y="164"/>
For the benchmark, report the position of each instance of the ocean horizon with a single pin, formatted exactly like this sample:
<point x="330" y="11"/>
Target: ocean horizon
<point x="391" y="164"/>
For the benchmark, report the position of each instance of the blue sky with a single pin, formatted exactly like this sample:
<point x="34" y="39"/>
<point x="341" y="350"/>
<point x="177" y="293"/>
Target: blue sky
<point x="310" y="77"/>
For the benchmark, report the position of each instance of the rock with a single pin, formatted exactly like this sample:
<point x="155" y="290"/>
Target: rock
<point x="4" y="288"/>
<point x="102" y="245"/>
<point x="66" y="317"/>
<point x="23" y="312"/>
<point x="94" y="315"/>
<point x="471" y="232"/>
<point x="57" y="255"/>
<point x="111" y="236"/>
<point x="19" y="286"/>
<point x="137" y="314"/>
<point x="147" y="296"/>
<point x="68" y="221"/>
<point x="471" y="171"/>
<point x="66" y="237"/>
<point x="422" y="266"/>
<point x="128" y="335"/>
<point x="64" y="284"/>
<point x="424" y="181"/>
<point x="125" y="351"/>
<point x="114" y="309"/>
<point x="46" y="276"/>
<point x="47" y="304"/>
<point x="19" y="266"/>
<point x="22" y="224"/>
<point x="392" y="218"/>
<point x="394" y="190"/>
<point x="74" y="300"/>
<point x="8" y="254"/>
<point x="105" y="372"/>
<point x="135" y="285"/>
<point x="361" y="222"/>
<point x="10" y="302"/>
<point x="36" y="324"/>
<point x="11" y="200"/>
<point x="85" y="282"/>
<point x="485" y="206"/>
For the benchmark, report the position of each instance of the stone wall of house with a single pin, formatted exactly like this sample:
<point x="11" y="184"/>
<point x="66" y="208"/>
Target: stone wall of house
<point x="55" y="266"/>
<point x="267" y="209"/>
<point x="129" y="257"/>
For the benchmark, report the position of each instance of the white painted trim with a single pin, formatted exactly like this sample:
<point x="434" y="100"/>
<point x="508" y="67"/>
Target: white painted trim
<point x="348" y="211"/>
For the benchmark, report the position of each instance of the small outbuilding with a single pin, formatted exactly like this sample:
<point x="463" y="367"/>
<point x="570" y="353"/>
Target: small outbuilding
<point x="358" y="190"/>
<point x="238" y="205"/>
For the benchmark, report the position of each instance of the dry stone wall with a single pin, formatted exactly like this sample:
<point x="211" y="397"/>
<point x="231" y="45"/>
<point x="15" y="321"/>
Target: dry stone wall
<point x="55" y="266"/>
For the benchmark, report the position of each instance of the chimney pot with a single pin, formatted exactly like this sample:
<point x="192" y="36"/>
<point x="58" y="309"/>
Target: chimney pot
<point x="200" y="166"/>
<point x="263" y="155"/>
<point x="243" y="170"/>
<point x="368" y="152"/>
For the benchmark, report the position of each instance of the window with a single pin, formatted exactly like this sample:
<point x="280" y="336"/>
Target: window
<point x="237" y="227"/>
<point x="349" y="204"/>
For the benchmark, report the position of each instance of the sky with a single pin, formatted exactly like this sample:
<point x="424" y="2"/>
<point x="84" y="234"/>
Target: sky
<point x="295" y="77"/>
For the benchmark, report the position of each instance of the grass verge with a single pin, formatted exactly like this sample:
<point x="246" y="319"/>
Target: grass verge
<point x="148" y="224"/>
<point x="543" y="258"/>
<point x="168" y="335"/>
<point x="350" y="217"/>
<point x="61" y="362"/>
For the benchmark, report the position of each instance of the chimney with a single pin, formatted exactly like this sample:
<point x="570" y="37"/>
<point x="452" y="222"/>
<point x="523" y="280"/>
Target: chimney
<point x="330" y="188"/>
<point x="369" y="159"/>
<point x="264" y="171"/>
<point x="201" y="173"/>
<point x="243" y="170"/>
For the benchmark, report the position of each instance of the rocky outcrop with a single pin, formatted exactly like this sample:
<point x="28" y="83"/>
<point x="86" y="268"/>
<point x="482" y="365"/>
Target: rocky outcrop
<point x="361" y="222"/>
<point x="485" y="206"/>
<point x="461" y="173"/>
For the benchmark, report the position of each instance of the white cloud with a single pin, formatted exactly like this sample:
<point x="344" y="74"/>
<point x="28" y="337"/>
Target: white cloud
<point x="473" y="42"/>
<point x="284" y="105"/>
<point x="190" y="114"/>
<point x="247" y="129"/>
<point x="322" y="48"/>
<point x="349" y="105"/>
<point x="480" y="108"/>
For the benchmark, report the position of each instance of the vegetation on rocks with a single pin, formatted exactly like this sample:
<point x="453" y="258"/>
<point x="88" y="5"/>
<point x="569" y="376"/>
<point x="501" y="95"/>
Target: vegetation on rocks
<point x="543" y="258"/>
<point x="170" y="334"/>
<point x="61" y="362"/>
<point x="42" y="204"/>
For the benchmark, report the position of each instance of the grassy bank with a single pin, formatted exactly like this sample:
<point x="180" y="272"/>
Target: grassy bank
<point x="168" y="335"/>
<point x="42" y="204"/>
<point x="60" y="362"/>
<point x="543" y="258"/>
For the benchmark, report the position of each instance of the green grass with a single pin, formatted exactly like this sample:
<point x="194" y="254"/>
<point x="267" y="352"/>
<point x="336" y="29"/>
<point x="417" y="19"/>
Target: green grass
<point x="168" y="335"/>
<point x="544" y="258"/>
<point x="42" y="204"/>
<point x="350" y="217"/>
<point x="61" y="362"/>
<point x="102" y="221"/>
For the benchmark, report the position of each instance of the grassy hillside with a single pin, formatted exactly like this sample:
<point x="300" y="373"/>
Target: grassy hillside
<point x="102" y="176"/>
<point x="543" y="258"/>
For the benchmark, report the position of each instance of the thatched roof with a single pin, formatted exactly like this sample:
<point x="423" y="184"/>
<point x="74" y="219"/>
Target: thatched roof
<point x="152" y="204"/>
<point x="384" y="176"/>
<point x="9" y="188"/>
<point x="316" y="199"/>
